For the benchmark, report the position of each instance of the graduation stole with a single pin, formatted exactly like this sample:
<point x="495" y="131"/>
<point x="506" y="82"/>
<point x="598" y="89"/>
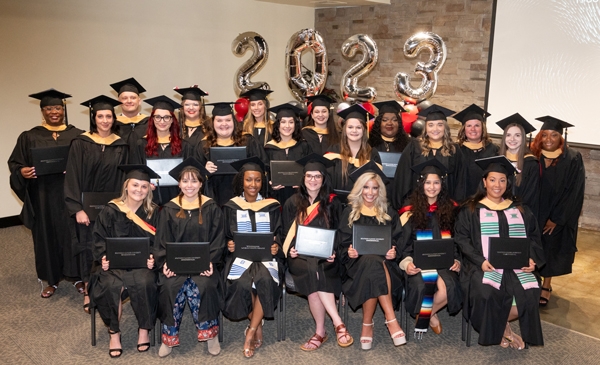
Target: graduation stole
<point x="473" y="146"/>
<point x="387" y="139"/>
<point x="283" y="145"/>
<point x="190" y="124"/>
<point x="552" y="155"/>
<point x="351" y="160"/>
<point x="59" y="128"/>
<point x="133" y="217"/>
<point x="311" y="213"/>
<point x="134" y="120"/>
<point x="101" y="140"/>
<point x="490" y="228"/>
<point x="317" y="130"/>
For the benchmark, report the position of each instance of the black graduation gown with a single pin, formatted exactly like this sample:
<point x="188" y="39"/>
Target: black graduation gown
<point x="474" y="173"/>
<point x="174" y="229"/>
<point x="487" y="307"/>
<point x="312" y="138"/>
<point x="405" y="180"/>
<point x="44" y="210"/>
<point x="238" y="297"/>
<point x="363" y="278"/>
<point x="259" y="134"/>
<point x="312" y="274"/>
<point x="276" y="153"/>
<point x="92" y="167"/>
<point x="389" y="146"/>
<point x="105" y="286"/>
<point x="163" y="194"/>
<point x="195" y="137"/>
<point x="415" y="285"/>
<point x="220" y="187"/>
<point x="132" y="132"/>
<point x="561" y="199"/>
<point x="337" y="180"/>
<point x="529" y="190"/>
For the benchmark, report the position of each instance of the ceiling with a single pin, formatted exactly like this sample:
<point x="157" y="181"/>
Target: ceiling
<point x="327" y="3"/>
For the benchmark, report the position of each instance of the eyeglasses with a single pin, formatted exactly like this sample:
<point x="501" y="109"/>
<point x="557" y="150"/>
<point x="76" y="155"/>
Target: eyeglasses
<point x="314" y="177"/>
<point x="166" y="118"/>
<point x="48" y="109"/>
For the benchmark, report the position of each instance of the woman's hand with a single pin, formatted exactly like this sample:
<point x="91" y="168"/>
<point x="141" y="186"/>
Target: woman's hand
<point x="411" y="269"/>
<point x="208" y="272"/>
<point x="274" y="249"/>
<point x="105" y="263"/>
<point x="28" y="172"/>
<point x="211" y="167"/>
<point x="549" y="227"/>
<point x="331" y="258"/>
<point x="150" y="262"/>
<point x="168" y="273"/>
<point x="487" y="267"/>
<point x="293" y="253"/>
<point x="82" y="218"/>
<point x="456" y="266"/>
<point x="231" y="246"/>
<point x="530" y="268"/>
<point x="391" y="254"/>
<point x="352" y="253"/>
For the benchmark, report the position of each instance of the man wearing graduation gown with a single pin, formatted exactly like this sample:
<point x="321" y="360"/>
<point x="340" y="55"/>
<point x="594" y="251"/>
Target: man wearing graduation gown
<point x="132" y="123"/>
<point x="43" y="197"/>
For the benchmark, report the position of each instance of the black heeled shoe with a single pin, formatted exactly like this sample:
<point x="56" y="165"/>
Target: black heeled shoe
<point x="118" y="351"/>
<point x="147" y="344"/>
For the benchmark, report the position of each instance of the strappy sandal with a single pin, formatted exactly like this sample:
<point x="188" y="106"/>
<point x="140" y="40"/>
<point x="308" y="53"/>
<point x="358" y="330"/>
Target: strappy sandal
<point x="397" y="340"/>
<point x="366" y="342"/>
<point x="147" y="344"/>
<point x="544" y="301"/>
<point x="257" y="343"/>
<point x="48" y="291"/>
<point x="341" y="330"/>
<point x="315" y="340"/>
<point x="110" y="351"/>
<point x="249" y="352"/>
<point x="80" y="286"/>
<point x="86" y="306"/>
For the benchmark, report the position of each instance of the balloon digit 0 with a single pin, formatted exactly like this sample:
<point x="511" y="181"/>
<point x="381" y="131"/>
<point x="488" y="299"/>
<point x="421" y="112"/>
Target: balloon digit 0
<point x="299" y="85"/>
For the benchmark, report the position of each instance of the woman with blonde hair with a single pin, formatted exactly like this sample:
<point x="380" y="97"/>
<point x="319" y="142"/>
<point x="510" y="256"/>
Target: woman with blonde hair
<point x="369" y="279"/>
<point x="257" y="122"/>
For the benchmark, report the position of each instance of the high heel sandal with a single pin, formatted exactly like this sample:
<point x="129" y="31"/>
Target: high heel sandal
<point x="397" y="340"/>
<point x="80" y="286"/>
<point x="366" y="342"/>
<point x="257" y="343"/>
<point x="110" y="351"/>
<point x="249" y="352"/>
<point x="544" y="301"/>
<point x="147" y="344"/>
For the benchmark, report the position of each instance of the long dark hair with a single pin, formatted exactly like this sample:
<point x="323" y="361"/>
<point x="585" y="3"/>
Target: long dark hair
<point x="482" y="193"/>
<point x="445" y="212"/>
<point x="152" y="136"/>
<point x="402" y="138"/>
<point x="114" y="129"/>
<point x="333" y="134"/>
<point x="238" y="183"/>
<point x="302" y="200"/>
<point x="296" y="135"/>
<point x="194" y="171"/>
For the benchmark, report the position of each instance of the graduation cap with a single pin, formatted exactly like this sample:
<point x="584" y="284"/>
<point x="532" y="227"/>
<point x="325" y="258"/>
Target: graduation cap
<point x="315" y="162"/>
<point x="355" y="111"/>
<point x="320" y="100"/>
<point x="391" y="106"/>
<point x="163" y="102"/>
<point x="139" y="172"/>
<point x="433" y="166"/>
<point x="436" y="112"/>
<point x="471" y="112"/>
<point x="101" y="102"/>
<point x="52" y="97"/>
<point x="256" y="94"/>
<point x="223" y="108"/>
<point x="191" y="93"/>
<point x="516" y="119"/>
<point x="188" y="162"/>
<point x="286" y="110"/>
<point x="370" y="166"/>
<point x="499" y="164"/>
<point x="130" y="85"/>
<point x="251" y="164"/>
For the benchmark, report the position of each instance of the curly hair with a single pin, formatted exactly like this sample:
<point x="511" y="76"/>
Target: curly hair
<point x="239" y="139"/>
<point x="485" y="137"/>
<point x="482" y="193"/>
<point x="363" y="155"/>
<point x="445" y="212"/>
<point x="333" y="134"/>
<point x="152" y="137"/>
<point x="448" y="147"/>
<point x="402" y="138"/>
<point x="296" y="135"/>
<point x="355" y="199"/>
<point x="536" y="146"/>
<point x="238" y="182"/>
<point x="302" y="200"/>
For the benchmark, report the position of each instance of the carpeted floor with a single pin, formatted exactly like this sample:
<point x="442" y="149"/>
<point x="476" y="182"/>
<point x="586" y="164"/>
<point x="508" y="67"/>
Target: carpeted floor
<point x="57" y="331"/>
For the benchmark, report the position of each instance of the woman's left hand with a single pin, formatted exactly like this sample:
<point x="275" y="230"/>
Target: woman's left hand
<point x="530" y="268"/>
<point x="274" y="249"/>
<point x="150" y="262"/>
<point x="456" y="266"/>
<point x="105" y="263"/>
<point x="331" y="258"/>
<point x="208" y="272"/>
<point x="293" y="253"/>
<point x="391" y="254"/>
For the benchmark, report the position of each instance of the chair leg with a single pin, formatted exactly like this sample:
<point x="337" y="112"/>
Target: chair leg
<point x="469" y="333"/>
<point x="152" y="337"/>
<point x="464" y="329"/>
<point x="346" y="305"/>
<point x="404" y="317"/>
<point x="220" y="326"/>
<point x="93" y="324"/>
<point x="284" y="314"/>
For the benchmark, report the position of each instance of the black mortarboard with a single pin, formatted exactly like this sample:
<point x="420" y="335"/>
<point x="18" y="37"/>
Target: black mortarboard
<point x="433" y="166"/>
<point x="499" y="164"/>
<point x="222" y="109"/>
<point x="471" y="112"/>
<point x="315" y="162"/>
<point x="391" y="106"/>
<point x="320" y="100"/>
<point x="286" y="110"/>
<point x="356" y="111"/>
<point x="516" y="119"/>
<point x="553" y="124"/>
<point x="50" y="97"/>
<point x="370" y="166"/>
<point x="251" y="164"/>
<point x="256" y="94"/>
<point x="192" y="162"/>
<point x="436" y="112"/>
<point x="128" y="85"/>
<point x="163" y="102"/>
<point x="139" y="172"/>
<point x="101" y="102"/>
<point x="191" y="93"/>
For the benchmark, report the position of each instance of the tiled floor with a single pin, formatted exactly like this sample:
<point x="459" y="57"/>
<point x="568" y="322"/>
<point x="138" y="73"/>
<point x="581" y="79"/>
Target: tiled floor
<point x="575" y="301"/>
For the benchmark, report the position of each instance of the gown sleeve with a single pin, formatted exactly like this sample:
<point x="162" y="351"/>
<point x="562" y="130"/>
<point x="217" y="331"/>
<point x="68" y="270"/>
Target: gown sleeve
<point x="17" y="160"/>
<point x="568" y="207"/>
<point x="530" y="185"/>
<point x="536" y="252"/>
<point x="74" y="177"/>
<point x="344" y="237"/>
<point x="403" y="176"/>
<point x="216" y="234"/>
<point x="100" y="232"/>
<point x="138" y="155"/>
<point x="164" y="234"/>
<point x="464" y="238"/>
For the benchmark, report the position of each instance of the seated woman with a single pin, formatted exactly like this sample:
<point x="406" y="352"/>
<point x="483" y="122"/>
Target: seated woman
<point x="131" y="215"/>
<point x="252" y="288"/>
<point x="369" y="279"/>
<point x="190" y="217"/>
<point x="319" y="279"/>
<point x="430" y="215"/>
<point x="496" y="297"/>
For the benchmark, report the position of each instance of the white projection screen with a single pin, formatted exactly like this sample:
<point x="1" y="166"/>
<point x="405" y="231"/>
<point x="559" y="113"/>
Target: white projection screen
<point x="546" y="61"/>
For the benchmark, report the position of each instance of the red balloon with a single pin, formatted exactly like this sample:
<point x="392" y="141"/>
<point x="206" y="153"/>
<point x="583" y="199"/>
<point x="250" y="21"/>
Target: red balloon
<point x="370" y="124"/>
<point x="411" y="109"/>
<point x="241" y="109"/>
<point x="410" y="101"/>
<point x="369" y="107"/>
<point x="407" y="121"/>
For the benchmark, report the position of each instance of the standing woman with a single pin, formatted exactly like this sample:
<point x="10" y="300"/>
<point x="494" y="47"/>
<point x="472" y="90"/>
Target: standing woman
<point x="430" y="215"/>
<point x="475" y="143"/>
<point x="561" y="199"/>
<point x="93" y="167"/>
<point x="190" y="217"/>
<point x="44" y="211"/>
<point x="256" y="121"/>
<point x="435" y="142"/>
<point x="353" y="151"/>
<point x="162" y="141"/>
<point x="286" y="144"/>
<point x="252" y="288"/>
<point x="131" y="124"/>
<point x="496" y="297"/>
<point x="387" y="134"/>
<point x="318" y="279"/>
<point x="369" y="279"/>
<point x="320" y="131"/>
<point x="223" y="131"/>
<point x="194" y="115"/>
<point x="514" y="146"/>
<point x="131" y="215"/>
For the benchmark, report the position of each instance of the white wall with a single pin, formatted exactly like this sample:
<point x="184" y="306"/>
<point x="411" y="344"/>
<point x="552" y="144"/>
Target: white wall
<point x="80" y="47"/>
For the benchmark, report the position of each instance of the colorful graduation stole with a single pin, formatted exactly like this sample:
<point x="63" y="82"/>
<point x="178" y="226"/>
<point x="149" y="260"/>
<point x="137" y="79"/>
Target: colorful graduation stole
<point x="490" y="228"/>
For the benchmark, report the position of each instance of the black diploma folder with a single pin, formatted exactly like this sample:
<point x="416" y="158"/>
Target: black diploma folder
<point x="188" y="258"/>
<point x="433" y="254"/>
<point x="286" y="173"/>
<point x="162" y="166"/>
<point x="342" y="195"/>
<point x="253" y="246"/>
<point x="93" y="203"/>
<point x="222" y="157"/>
<point x="371" y="240"/>
<point x="127" y="252"/>
<point x="315" y="242"/>
<point x="389" y="162"/>
<point x="50" y="160"/>
<point x="508" y="253"/>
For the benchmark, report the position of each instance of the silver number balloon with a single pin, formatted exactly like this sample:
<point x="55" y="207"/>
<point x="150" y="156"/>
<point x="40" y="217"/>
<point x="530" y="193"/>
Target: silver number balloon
<point x="428" y="70"/>
<point x="299" y="84"/>
<point x="349" y="85"/>
<point x="260" y="54"/>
